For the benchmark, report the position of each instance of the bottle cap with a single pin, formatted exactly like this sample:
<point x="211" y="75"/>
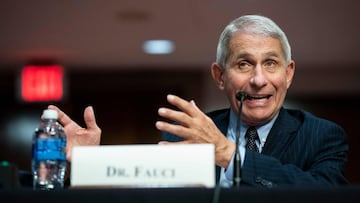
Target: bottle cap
<point x="50" y="114"/>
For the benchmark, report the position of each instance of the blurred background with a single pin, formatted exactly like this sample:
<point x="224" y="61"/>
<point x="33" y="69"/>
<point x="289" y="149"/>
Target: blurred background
<point x="101" y="50"/>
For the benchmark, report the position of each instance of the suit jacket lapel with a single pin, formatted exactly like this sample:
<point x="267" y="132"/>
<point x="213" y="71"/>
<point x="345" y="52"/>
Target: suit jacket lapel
<point x="222" y="121"/>
<point x="281" y="134"/>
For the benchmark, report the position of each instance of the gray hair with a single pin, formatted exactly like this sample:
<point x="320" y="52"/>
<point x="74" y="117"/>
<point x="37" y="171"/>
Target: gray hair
<point x="251" y="24"/>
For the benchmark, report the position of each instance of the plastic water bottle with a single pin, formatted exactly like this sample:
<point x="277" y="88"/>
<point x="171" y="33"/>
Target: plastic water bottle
<point x="49" y="153"/>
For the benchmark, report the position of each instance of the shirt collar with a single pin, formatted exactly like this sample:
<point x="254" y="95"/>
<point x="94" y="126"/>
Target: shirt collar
<point x="263" y="130"/>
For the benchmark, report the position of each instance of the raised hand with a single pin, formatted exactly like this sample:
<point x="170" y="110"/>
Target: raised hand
<point x="77" y="135"/>
<point x="194" y="126"/>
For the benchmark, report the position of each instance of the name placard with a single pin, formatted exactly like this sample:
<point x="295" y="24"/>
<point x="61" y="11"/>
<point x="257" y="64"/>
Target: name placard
<point x="185" y="165"/>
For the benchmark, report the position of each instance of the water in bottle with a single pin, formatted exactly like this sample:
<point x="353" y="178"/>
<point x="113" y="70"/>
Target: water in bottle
<point x="49" y="153"/>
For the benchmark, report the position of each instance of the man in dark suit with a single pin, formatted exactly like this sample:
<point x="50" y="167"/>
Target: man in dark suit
<point x="290" y="147"/>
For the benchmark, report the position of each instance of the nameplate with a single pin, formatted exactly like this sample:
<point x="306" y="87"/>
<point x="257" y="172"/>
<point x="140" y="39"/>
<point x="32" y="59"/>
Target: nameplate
<point x="185" y="165"/>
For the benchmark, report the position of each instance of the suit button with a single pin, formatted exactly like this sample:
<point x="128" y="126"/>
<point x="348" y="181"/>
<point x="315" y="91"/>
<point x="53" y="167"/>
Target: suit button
<point x="264" y="182"/>
<point x="258" y="179"/>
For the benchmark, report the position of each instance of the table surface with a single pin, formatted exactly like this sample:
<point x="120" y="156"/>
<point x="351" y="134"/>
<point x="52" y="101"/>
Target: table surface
<point x="343" y="194"/>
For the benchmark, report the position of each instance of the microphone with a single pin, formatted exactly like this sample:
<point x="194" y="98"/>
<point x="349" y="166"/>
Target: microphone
<point x="241" y="96"/>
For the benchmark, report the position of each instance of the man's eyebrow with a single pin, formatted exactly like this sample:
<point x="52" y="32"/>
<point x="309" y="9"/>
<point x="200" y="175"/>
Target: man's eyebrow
<point x="272" y="53"/>
<point x="247" y="55"/>
<point x="243" y="55"/>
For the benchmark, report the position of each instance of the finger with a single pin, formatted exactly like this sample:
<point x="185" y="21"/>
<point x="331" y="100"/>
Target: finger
<point x="182" y="104"/>
<point x="179" y="130"/>
<point x="89" y="118"/>
<point x="63" y="118"/>
<point x="192" y="102"/>
<point x="176" y="116"/>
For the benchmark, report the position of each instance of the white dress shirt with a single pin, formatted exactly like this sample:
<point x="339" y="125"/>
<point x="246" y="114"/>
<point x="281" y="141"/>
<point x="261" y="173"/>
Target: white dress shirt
<point x="226" y="175"/>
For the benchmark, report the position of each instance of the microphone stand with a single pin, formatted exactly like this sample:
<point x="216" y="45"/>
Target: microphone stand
<point x="237" y="159"/>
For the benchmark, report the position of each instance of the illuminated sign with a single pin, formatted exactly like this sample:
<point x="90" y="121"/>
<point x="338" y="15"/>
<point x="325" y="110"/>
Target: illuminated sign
<point x="42" y="83"/>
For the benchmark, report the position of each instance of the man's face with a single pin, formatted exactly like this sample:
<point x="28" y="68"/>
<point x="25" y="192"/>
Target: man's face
<point x="256" y="65"/>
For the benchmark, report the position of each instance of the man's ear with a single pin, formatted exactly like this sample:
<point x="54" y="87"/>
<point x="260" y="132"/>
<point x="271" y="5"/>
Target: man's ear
<point x="217" y="75"/>
<point x="290" y="70"/>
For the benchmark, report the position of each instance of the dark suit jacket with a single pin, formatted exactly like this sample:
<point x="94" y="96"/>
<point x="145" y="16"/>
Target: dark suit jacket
<point x="301" y="149"/>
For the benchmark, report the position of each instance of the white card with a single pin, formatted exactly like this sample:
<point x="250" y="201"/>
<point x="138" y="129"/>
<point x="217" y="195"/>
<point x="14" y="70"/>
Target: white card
<point x="185" y="165"/>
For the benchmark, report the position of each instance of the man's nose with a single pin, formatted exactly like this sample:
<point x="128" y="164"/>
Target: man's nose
<point x="258" y="78"/>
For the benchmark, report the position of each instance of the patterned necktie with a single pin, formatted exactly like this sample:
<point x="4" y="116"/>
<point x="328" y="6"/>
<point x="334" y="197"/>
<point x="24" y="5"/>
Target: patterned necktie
<point x="251" y="136"/>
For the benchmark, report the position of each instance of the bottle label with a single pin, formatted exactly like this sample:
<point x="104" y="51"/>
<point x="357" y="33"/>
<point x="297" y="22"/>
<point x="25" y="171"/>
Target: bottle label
<point x="49" y="149"/>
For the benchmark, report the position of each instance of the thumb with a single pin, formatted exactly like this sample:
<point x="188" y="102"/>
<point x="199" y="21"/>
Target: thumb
<point x="89" y="118"/>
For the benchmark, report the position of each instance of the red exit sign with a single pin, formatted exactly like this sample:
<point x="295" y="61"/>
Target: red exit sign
<point x="42" y="83"/>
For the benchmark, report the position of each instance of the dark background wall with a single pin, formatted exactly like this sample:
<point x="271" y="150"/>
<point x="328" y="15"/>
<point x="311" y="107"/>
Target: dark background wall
<point x="126" y="104"/>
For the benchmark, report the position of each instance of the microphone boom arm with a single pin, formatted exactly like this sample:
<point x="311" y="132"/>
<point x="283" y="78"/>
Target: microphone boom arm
<point x="241" y="96"/>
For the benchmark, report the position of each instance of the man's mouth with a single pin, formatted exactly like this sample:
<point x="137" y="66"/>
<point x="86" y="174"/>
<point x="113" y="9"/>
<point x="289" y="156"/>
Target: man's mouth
<point x="257" y="97"/>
